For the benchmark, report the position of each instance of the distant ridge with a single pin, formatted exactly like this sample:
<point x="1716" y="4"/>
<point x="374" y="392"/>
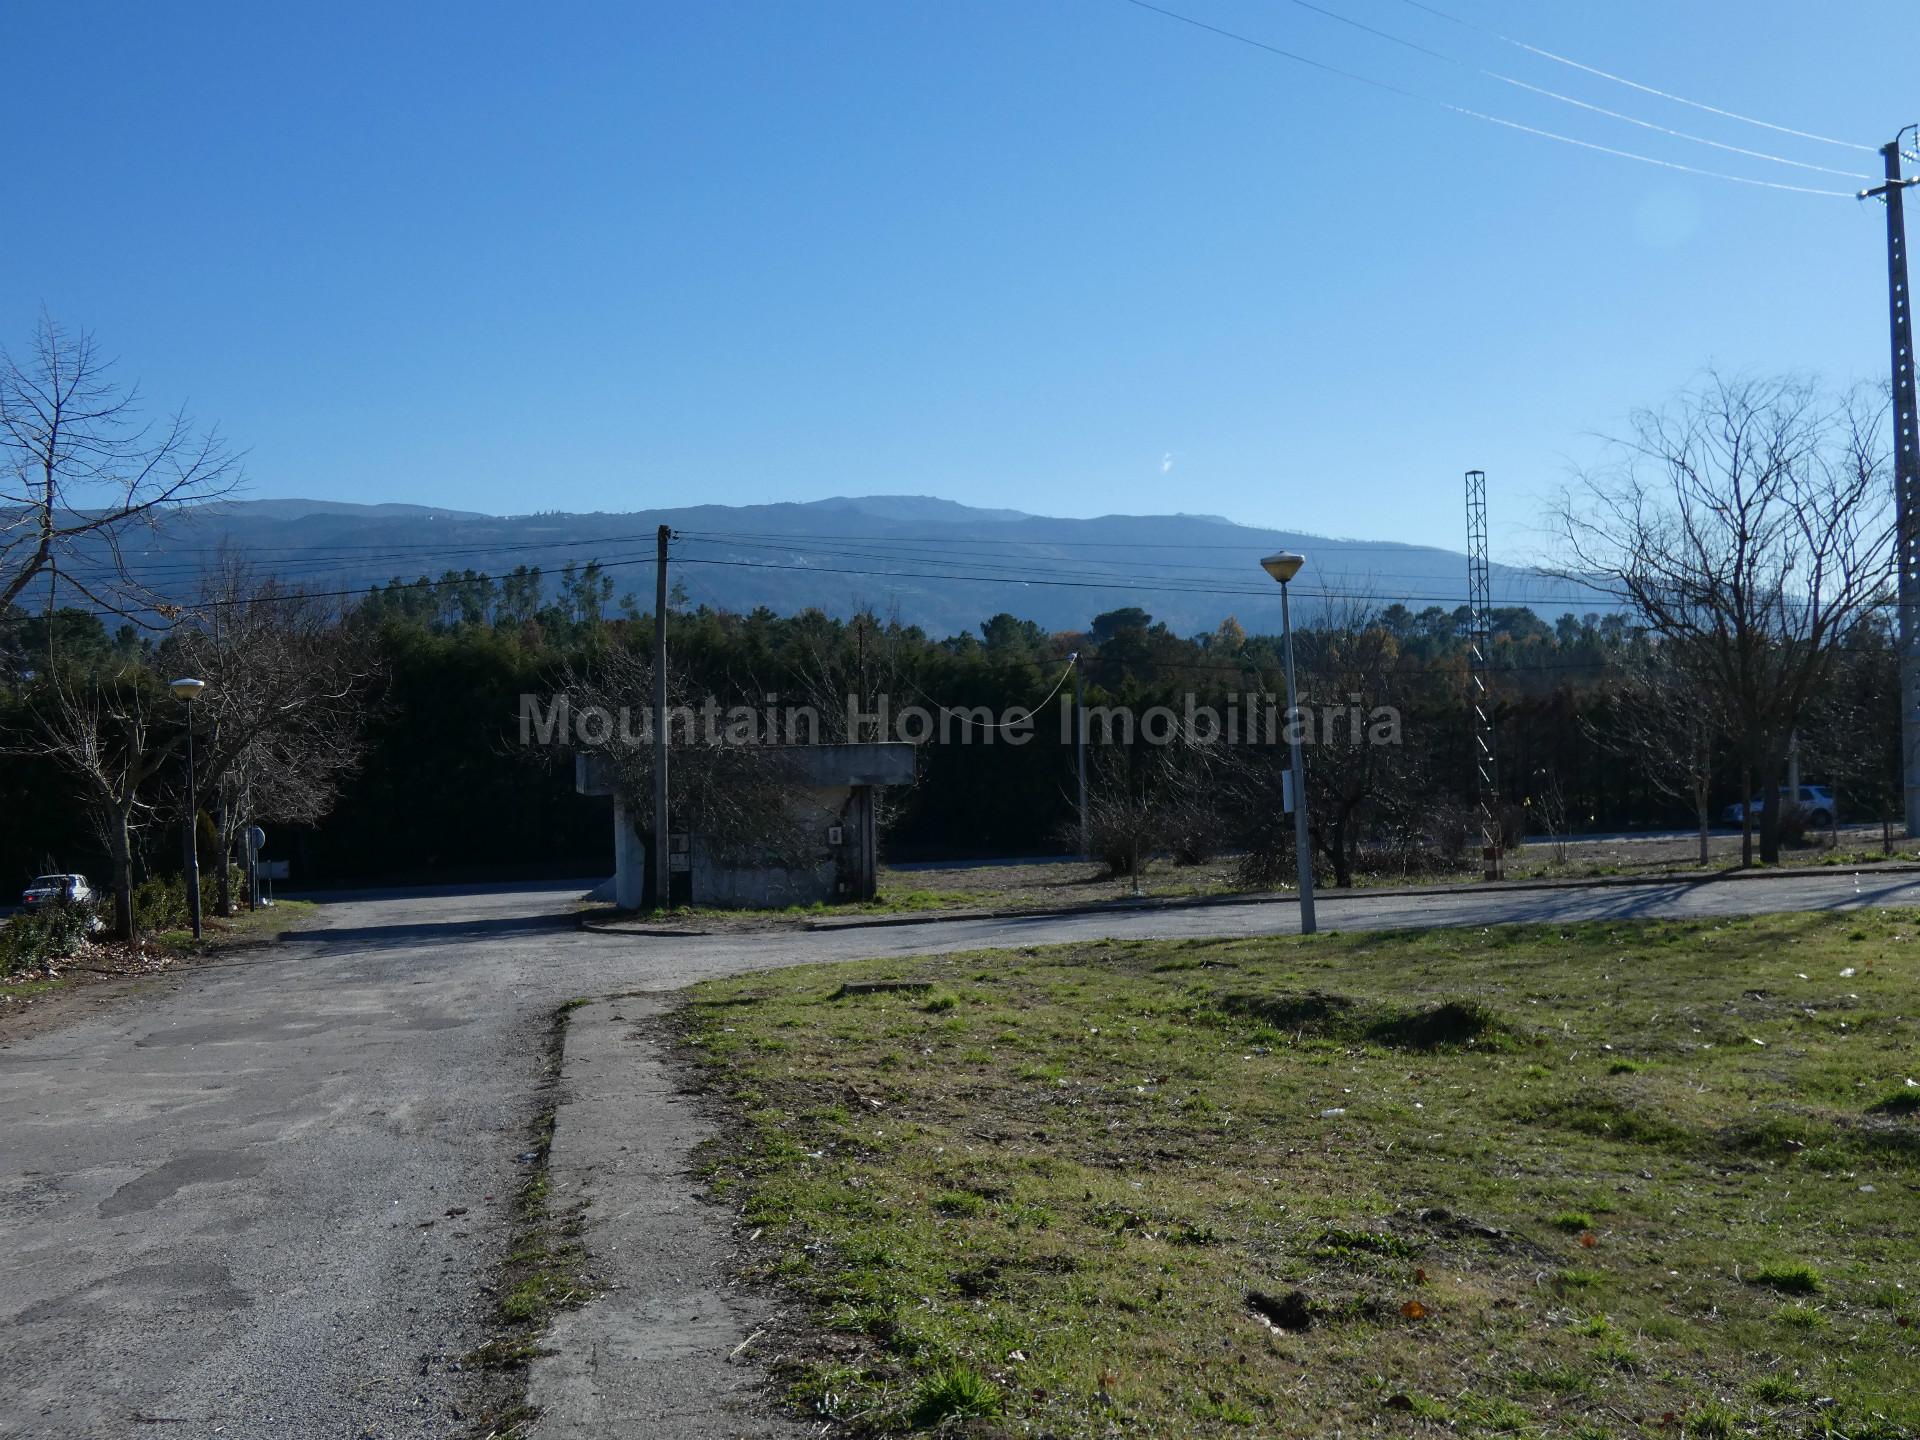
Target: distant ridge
<point x="296" y="509"/>
<point x="935" y="563"/>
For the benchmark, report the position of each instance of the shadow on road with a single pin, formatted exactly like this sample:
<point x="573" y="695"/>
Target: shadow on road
<point x="436" y="932"/>
<point x="444" y="892"/>
<point x="1653" y="900"/>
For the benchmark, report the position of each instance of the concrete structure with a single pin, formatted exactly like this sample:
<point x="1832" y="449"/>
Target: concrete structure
<point x="832" y="802"/>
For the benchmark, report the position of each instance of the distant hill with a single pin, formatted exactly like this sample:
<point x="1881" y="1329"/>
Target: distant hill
<point x="936" y="563"/>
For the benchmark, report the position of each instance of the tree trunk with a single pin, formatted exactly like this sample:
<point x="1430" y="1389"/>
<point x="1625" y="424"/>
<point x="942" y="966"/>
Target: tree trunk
<point x="1342" y="853"/>
<point x="1703" y="790"/>
<point x="1746" y="816"/>
<point x="1770" y="781"/>
<point x="120" y="853"/>
<point x="224" y="896"/>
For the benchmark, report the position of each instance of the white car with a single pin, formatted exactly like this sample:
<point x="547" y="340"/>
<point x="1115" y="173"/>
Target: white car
<point x="1822" y="810"/>
<point x="71" y="888"/>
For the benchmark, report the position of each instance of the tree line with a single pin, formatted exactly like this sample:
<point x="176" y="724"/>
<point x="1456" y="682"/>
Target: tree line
<point x="1739" y="543"/>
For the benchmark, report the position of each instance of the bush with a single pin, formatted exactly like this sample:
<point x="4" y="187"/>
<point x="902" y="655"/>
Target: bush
<point x="1119" y="828"/>
<point x="1192" y="830"/>
<point x="1267" y="863"/>
<point x="1412" y="857"/>
<point x="160" y="901"/>
<point x="35" y="939"/>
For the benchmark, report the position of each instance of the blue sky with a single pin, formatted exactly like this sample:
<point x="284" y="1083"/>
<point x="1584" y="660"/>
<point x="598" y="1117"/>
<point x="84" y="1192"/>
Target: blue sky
<point x="1070" y="257"/>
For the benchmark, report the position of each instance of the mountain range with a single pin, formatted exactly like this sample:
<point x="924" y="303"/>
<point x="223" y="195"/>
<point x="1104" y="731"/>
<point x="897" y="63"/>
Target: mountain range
<point x="936" y="563"/>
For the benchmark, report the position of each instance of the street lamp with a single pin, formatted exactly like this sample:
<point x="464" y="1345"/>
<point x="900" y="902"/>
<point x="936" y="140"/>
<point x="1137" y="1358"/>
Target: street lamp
<point x="1283" y="567"/>
<point x="187" y="691"/>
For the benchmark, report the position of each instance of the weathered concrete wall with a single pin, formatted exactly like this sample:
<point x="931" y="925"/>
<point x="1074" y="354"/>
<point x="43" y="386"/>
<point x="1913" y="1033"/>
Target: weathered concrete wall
<point x="629" y="860"/>
<point x="837" y="791"/>
<point x="816" y="809"/>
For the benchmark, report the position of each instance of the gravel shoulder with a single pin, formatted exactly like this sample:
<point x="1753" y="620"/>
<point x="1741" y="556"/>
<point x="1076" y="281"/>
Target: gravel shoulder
<point x="667" y="1348"/>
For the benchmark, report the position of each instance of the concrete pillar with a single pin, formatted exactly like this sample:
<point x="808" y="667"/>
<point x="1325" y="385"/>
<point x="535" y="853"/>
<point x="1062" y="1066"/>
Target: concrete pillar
<point x="629" y="860"/>
<point x="867" y="837"/>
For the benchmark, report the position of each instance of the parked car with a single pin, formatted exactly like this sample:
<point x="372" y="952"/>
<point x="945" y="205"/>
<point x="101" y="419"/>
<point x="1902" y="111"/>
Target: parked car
<point x="1823" y="810"/>
<point x="71" y="888"/>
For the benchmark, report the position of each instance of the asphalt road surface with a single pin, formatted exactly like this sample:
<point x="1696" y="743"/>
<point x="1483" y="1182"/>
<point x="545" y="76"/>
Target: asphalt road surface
<point x="227" y="1202"/>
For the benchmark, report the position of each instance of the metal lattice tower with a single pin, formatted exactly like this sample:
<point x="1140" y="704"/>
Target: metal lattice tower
<point x="1486" y="754"/>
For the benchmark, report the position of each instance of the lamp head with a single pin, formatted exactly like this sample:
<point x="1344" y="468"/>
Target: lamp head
<point x="188" y="690"/>
<point x="1283" y="566"/>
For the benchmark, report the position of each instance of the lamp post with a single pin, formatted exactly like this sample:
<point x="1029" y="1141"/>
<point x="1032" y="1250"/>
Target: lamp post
<point x="1283" y="567"/>
<point x="187" y="691"/>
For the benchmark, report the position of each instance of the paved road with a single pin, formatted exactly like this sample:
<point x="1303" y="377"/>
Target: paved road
<point x="215" y="1197"/>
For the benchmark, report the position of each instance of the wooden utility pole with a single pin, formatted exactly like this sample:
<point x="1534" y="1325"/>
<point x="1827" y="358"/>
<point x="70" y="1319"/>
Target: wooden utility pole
<point x="662" y="875"/>
<point x="1906" y="475"/>
<point x="1080" y="746"/>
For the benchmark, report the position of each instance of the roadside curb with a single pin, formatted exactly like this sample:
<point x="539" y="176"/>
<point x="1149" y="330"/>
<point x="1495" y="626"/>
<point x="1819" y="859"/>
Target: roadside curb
<point x="1152" y="904"/>
<point x="663" y="1348"/>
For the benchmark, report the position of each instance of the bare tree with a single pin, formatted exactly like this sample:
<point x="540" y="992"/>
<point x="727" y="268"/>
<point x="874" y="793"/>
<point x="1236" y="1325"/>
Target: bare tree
<point x="1357" y="769"/>
<point x="1851" y="737"/>
<point x="1548" y="804"/>
<point x="78" y="467"/>
<point x="1666" y="719"/>
<point x="114" y="734"/>
<point x="282" y="720"/>
<point x="1750" y="525"/>
<point x="277" y="728"/>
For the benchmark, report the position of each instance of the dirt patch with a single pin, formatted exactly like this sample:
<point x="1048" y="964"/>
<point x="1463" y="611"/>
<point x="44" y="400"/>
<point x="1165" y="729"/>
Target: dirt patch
<point x="104" y="974"/>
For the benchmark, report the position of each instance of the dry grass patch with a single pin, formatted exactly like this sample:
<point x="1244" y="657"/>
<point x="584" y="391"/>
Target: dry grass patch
<point x="1400" y="1183"/>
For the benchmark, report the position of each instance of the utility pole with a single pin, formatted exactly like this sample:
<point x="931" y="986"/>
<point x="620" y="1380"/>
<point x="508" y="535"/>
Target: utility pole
<point x="186" y="690"/>
<point x="1486" y="753"/>
<point x="1302" y="831"/>
<point x="1080" y="746"/>
<point x="1906" y="474"/>
<point x="662" y="875"/>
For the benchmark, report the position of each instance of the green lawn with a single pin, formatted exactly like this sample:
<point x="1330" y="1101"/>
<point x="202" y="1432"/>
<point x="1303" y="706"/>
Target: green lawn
<point x="1616" y="1179"/>
<point x="244" y="926"/>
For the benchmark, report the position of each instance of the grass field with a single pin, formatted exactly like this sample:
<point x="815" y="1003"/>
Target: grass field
<point x="961" y="887"/>
<point x="1056" y="883"/>
<point x="1617" y="1179"/>
<point x="244" y="926"/>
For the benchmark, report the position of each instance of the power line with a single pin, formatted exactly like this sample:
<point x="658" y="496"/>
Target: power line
<point x="440" y="548"/>
<point x="1015" y="576"/>
<point x="1599" y="602"/>
<point x="436" y="549"/>
<point x="858" y="550"/>
<point x="438" y="552"/>
<point x="386" y="587"/>
<point x="1010" y="575"/>
<point x="1573" y="100"/>
<point x="299" y="566"/>
<point x="1636" y="85"/>
<point x="1524" y="129"/>
<point x="971" y="723"/>
<point x="1343" y="546"/>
